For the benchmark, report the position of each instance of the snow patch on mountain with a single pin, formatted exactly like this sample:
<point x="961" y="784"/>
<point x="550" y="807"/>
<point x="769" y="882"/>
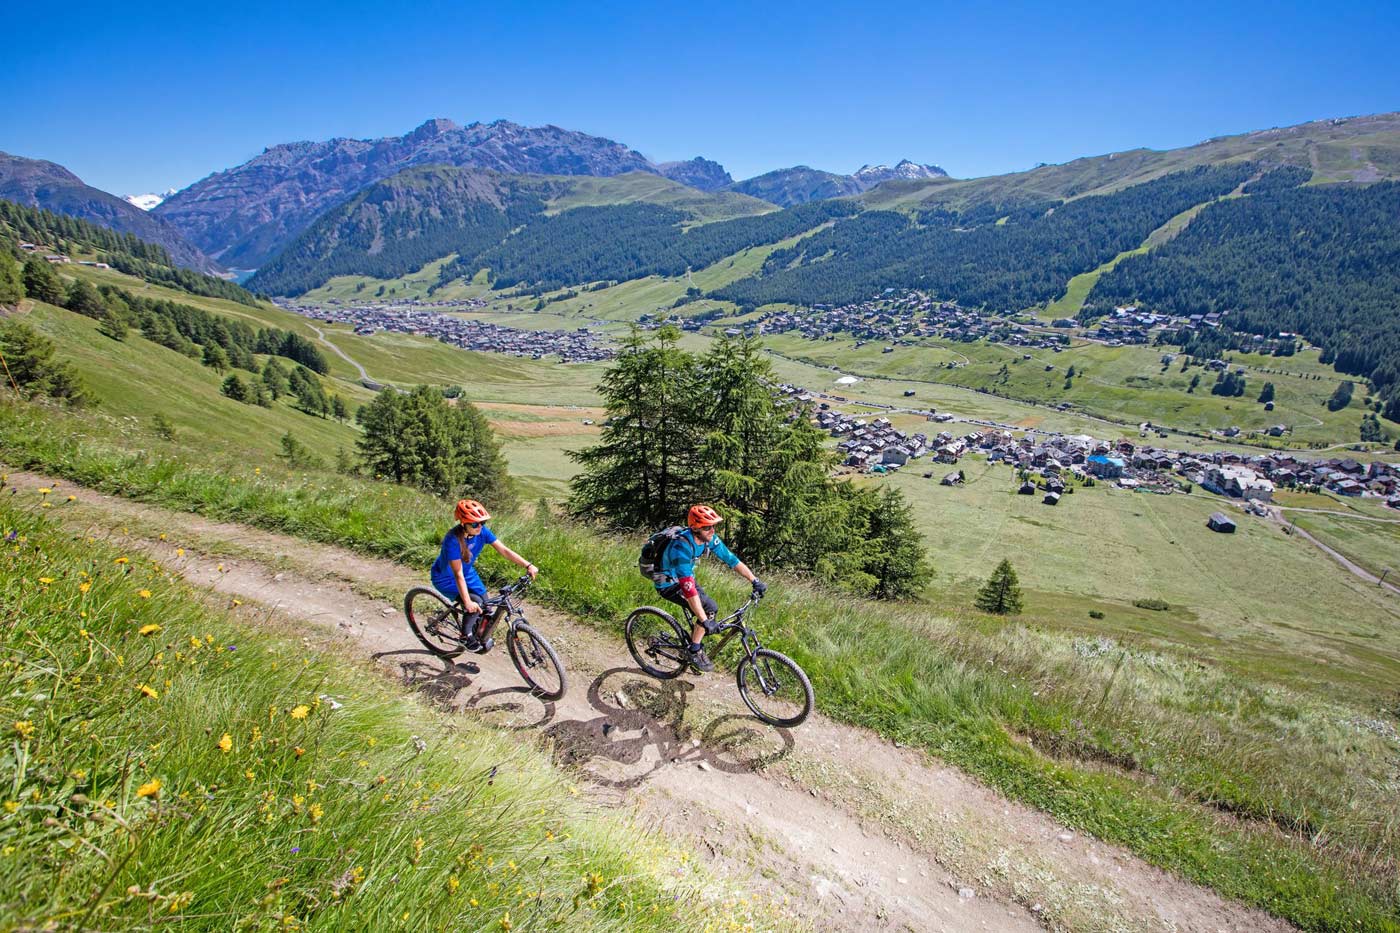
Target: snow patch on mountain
<point x="871" y="175"/>
<point x="148" y="201"/>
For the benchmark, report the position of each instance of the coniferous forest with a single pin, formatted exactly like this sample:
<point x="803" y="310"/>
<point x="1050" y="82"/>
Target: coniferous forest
<point x="1002" y="266"/>
<point x="1323" y="262"/>
<point x="122" y="251"/>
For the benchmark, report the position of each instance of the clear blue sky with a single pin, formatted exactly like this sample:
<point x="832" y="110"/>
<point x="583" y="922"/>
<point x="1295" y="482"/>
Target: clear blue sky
<point x="159" y="95"/>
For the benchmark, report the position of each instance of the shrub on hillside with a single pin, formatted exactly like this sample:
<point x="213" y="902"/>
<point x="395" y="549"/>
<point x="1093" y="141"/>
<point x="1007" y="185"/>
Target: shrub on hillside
<point x="30" y="367"/>
<point x="420" y="440"/>
<point x="1156" y="605"/>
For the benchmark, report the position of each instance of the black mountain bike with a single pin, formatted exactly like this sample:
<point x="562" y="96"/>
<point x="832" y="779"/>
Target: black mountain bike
<point x="774" y="688"/>
<point x="441" y="627"/>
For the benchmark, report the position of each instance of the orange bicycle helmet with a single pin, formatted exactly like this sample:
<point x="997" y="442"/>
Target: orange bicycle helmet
<point x="702" y="516"/>
<point x="469" y="511"/>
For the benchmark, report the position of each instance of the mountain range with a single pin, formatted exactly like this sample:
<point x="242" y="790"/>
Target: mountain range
<point x="38" y="183"/>
<point x="246" y="216"/>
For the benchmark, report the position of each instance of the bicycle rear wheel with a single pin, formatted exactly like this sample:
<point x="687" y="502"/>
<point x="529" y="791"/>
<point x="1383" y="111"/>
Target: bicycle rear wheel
<point x="774" y="688"/>
<point x="657" y="642"/>
<point x="434" y="622"/>
<point x="536" y="661"/>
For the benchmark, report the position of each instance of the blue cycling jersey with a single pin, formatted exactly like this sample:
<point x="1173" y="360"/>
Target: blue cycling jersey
<point x="679" y="559"/>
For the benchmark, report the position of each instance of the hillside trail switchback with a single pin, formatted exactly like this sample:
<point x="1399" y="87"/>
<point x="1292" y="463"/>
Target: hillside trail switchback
<point x="855" y="832"/>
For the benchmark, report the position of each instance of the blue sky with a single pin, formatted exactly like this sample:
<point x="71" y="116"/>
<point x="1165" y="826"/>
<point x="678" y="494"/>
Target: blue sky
<point x="159" y="96"/>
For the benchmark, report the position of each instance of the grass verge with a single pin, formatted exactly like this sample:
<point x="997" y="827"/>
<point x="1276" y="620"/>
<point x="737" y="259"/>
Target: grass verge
<point x="164" y="763"/>
<point x="1275" y="799"/>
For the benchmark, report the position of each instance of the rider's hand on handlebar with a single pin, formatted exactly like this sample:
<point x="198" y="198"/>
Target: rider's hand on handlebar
<point x="531" y="569"/>
<point x="759" y="588"/>
<point x="710" y="625"/>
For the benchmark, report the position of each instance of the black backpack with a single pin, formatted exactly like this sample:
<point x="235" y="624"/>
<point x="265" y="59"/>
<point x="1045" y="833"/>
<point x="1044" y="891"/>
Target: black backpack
<point x="649" y="563"/>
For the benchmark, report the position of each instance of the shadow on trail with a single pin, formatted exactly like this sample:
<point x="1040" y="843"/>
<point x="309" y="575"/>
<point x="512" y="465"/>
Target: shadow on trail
<point x="641" y="729"/>
<point x="631" y="727"/>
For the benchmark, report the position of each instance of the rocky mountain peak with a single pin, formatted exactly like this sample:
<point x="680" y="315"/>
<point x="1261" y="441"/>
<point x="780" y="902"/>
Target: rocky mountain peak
<point x="704" y="174"/>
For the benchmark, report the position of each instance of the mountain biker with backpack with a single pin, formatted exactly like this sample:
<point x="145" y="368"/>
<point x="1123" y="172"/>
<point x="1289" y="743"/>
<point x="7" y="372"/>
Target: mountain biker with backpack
<point x="673" y="572"/>
<point x="454" y="572"/>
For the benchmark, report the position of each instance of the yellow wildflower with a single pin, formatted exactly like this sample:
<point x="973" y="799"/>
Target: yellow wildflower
<point x="25" y="728"/>
<point x="162" y="536"/>
<point x="300" y="712"/>
<point x="316" y="811"/>
<point x="225" y="744"/>
<point x="72" y="498"/>
<point x="11" y="806"/>
<point x="122" y="560"/>
<point x="179" y="552"/>
<point x="453" y="884"/>
<point x="44" y="490"/>
<point x="250" y="775"/>
<point x="150" y="789"/>
<point x="505" y="921"/>
<point x="299" y="751"/>
<point x="150" y="628"/>
<point x="46" y="580"/>
<point x="146" y="594"/>
<point x="146" y="690"/>
<point x="84" y="586"/>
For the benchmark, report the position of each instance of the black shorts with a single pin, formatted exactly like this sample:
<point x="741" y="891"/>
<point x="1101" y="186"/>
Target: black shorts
<point x="672" y="593"/>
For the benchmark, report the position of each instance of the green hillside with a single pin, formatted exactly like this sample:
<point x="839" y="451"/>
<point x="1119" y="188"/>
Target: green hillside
<point x="1209" y="708"/>
<point x="1355" y="149"/>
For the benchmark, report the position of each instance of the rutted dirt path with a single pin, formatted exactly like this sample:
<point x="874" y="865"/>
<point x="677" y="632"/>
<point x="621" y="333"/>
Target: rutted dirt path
<point x="857" y="833"/>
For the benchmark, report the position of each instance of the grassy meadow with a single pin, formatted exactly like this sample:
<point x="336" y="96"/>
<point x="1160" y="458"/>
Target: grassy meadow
<point x="1129" y="737"/>
<point x="172" y="762"/>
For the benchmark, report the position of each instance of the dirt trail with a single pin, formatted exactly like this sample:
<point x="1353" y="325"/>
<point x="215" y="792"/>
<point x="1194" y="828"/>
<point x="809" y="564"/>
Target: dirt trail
<point x="321" y="336"/>
<point x="857" y="833"/>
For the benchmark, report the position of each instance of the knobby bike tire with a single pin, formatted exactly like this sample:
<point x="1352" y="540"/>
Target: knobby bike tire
<point x="447" y="645"/>
<point x="651" y="633"/>
<point x="791" y="680"/>
<point x="533" y="655"/>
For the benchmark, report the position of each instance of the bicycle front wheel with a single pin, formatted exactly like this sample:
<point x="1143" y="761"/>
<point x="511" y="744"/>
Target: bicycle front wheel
<point x="774" y="688"/>
<point x="537" y="663"/>
<point x="432" y="619"/>
<point x="657" y="642"/>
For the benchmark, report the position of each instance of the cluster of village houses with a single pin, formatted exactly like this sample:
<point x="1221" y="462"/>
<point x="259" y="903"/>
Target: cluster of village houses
<point x="892" y="318"/>
<point x="415" y="318"/>
<point x="59" y="258"/>
<point x="1052" y="459"/>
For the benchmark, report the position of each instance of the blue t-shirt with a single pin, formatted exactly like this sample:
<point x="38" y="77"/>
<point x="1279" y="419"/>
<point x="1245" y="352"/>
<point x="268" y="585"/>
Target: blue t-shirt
<point x="679" y="559"/>
<point x="443" y="578"/>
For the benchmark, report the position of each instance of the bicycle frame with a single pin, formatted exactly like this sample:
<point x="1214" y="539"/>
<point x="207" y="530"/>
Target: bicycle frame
<point x="730" y="626"/>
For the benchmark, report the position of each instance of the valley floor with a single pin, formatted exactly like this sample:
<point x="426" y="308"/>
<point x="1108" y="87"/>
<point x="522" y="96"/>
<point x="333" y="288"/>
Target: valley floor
<point x="854" y="832"/>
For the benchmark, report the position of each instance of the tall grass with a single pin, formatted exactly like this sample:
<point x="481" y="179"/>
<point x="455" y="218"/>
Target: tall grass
<point x="1139" y="748"/>
<point x="163" y="763"/>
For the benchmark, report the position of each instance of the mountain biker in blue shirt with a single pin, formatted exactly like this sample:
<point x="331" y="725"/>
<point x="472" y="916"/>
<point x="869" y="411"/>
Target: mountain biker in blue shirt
<point x="454" y="572"/>
<point x="678" y="584"/>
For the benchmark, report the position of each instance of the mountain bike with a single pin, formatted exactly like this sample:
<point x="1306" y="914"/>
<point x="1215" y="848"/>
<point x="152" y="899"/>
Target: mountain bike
<point x="771" y="684"/>
<point x="441" y="626"/>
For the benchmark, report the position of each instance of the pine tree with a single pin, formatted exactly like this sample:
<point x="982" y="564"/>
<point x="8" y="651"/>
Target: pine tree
<point x="41" y="282"/>
<point x="215" y="358"/>
<point x="274" y="377"/>
<point x="642" y="473"/>
<point x="11" y="278"/>
<point x="898" y="561"/>
<point x="235" y="388"/>
<point x="1001" y="594"/>
<point x="338" y="410"/>
<point x="85" y="300"/>
<point x="29" y="359"/>
<point x="1266" y="394"/>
